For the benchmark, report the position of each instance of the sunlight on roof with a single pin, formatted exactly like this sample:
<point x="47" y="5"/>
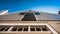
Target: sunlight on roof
<point x="47" y="9"/>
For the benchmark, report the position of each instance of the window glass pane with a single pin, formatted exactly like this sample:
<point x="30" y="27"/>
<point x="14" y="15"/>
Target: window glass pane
<point x="14" y="29"/>
<point x="20" y="29"/>
<point x="6" y="29"/>
<point x="21" y="13"/>
<point x="38" y="29"/>
<point x="29" y="17"/>
<point x="2" y="29"/>
<point x="44" y="29"/>
<point x="32" y="29"/>
<point x="25" y="29"/>
<point x="37" y="13"/>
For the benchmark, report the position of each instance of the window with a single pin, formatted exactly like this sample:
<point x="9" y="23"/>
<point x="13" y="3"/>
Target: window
<point x="20" y="28"/>
<point x="38" y="28"/>
<point x="29" y="17"/>
<point x="4" y="28"/>
<point x="21" y="13"/>
<point x="32" y="29"/>
<point x="37" y="13"/>
<point x="44" y="29"/>
<point x="24" y="28"/>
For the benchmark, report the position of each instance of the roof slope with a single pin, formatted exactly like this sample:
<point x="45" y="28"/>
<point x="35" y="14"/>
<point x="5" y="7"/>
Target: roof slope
<point x="47" y="16"/>
<point x="42" y="16"/>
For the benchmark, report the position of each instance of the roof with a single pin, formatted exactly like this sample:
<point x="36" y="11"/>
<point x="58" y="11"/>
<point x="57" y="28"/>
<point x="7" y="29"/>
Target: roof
<point x="42" y="16"/>
<point x="3" y="12"/>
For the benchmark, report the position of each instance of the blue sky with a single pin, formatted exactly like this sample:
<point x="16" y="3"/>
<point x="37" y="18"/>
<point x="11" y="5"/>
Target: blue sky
<point x="51" y="6"/>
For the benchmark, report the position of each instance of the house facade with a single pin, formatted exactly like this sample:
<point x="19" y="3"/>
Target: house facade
<point x="30" y="22"/>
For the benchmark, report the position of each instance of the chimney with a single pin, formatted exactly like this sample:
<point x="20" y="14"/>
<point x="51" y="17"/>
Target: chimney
<point x="58" y="12"/>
